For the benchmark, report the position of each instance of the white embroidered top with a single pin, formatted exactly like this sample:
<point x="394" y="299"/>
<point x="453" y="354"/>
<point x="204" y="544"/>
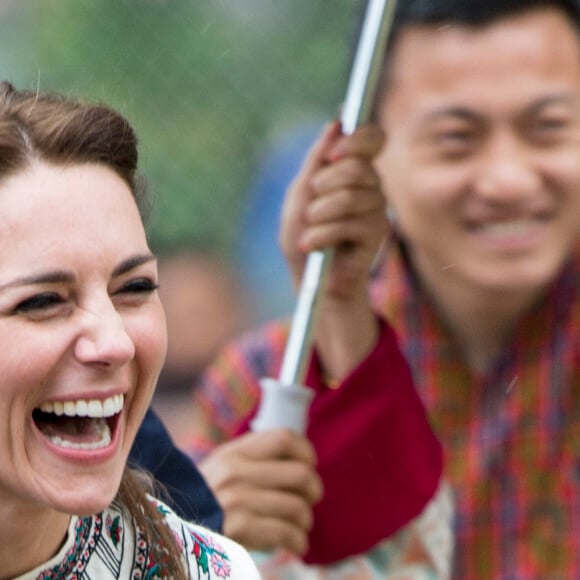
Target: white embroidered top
<point x="110" y="545"/>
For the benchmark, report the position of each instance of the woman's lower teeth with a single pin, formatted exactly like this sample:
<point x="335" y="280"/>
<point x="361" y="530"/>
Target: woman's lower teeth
<point x="104" y="440"/>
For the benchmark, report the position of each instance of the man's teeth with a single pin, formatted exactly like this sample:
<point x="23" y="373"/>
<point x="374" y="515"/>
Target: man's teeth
<point x="85" y="408"/>
<point x="511" y="228"/>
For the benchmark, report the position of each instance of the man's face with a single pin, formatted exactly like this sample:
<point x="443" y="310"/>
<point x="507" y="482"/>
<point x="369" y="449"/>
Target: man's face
<point x="482" y="162"/>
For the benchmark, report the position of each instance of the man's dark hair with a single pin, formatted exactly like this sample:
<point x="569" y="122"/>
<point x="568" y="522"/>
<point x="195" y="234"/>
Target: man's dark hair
<point x="472" y="12"/>
<point x="475" y="13"/>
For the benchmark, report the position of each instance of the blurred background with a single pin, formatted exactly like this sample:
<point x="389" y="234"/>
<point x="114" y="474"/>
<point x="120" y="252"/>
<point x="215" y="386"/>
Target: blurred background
<point x="225" y="96"/>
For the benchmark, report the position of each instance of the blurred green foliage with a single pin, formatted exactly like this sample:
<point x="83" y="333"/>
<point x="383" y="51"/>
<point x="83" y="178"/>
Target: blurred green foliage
<point x="205" y="82"/>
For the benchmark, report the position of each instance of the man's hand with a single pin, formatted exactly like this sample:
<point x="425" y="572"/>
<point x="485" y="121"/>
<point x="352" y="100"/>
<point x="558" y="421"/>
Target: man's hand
<point x="336" y="201"/>
<point x="266" y="484"/>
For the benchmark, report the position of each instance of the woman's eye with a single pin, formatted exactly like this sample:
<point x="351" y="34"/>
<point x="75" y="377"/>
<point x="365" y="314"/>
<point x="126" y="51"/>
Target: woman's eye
<point x="138" y="286"/>
<point x="39" y="303"/>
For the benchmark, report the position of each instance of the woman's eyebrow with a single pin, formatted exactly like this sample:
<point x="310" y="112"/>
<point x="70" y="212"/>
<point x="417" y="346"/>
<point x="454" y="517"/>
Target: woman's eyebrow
<point x="133" y="262"/>
<point x="52" y="277"/>
<point x="62" y="276"/>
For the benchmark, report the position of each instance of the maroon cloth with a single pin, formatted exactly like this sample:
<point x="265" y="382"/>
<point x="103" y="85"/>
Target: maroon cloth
<point x="378" y="458"/>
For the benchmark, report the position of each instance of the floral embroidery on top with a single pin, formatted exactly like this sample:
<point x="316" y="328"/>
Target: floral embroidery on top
<point x="159" y="568"/>
<point x="114" y="529"/>
<point x="86" y="528"/>
<point x="162" y="509"/>
<point x="112" y="545"/>
<point x="207" y="552"/>
<point x="155" y="569"/>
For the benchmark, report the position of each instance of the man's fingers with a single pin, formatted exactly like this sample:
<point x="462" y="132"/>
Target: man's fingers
<point x="265" y="534"/>
<point x="277" y="443"/>
<point x="277" y="460"/>
<point x="349" y="172"/>
<point x="345" y="204"/>
<point x="269" y="503"/>
<point x="287" y="475"/>
<point x="346" y="232"/>
<point x="317" y="154"/>
<point x="365" y="142"/>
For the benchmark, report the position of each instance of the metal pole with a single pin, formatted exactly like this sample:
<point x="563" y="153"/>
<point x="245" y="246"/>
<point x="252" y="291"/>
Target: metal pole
<point x="356" y="110"/>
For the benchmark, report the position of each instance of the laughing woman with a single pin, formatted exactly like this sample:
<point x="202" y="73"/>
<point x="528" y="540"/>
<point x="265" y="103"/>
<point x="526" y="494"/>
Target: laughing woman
<point x="83" y="340"/>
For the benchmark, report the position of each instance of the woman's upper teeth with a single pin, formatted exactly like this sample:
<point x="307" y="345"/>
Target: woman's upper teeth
<point x="85" y="407"/>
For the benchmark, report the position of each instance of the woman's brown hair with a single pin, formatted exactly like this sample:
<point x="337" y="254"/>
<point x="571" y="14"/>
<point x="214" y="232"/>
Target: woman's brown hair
<point x="60" y="130"/>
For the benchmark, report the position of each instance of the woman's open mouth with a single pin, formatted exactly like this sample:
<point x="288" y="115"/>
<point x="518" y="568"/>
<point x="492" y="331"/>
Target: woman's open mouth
<point x="82" y="424"/>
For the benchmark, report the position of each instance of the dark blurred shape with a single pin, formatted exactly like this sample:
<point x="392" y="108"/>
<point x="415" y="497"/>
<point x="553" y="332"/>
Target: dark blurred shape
<point x="205" y="307"/>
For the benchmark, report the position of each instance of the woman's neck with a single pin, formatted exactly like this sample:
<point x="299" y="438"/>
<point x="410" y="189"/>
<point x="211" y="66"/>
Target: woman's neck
<point x="29" y="536"/>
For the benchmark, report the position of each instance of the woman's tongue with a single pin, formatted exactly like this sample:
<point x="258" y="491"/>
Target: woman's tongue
<point x="73" y="431"/>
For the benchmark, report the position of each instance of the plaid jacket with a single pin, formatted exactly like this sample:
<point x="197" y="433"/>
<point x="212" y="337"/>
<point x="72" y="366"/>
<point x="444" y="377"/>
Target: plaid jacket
<point x="511" y="436"/>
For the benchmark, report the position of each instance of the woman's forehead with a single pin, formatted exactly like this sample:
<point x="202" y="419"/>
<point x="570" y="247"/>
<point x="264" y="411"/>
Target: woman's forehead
<point x="84" y="206"/>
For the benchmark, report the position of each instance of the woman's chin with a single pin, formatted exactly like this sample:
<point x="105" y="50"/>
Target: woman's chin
<point x="80" y="497"/>
<point x="84" y="506"/>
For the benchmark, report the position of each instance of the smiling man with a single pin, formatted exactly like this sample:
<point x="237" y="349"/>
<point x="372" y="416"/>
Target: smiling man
<point x="480" y="103"/>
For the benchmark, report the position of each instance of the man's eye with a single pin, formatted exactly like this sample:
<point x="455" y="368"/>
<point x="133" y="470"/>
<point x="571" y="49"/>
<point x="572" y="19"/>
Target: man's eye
<point x="454" y="144"/>
<point x="454" y="138"/>
<point x="39" y="303"/>
<point x="138" y="286"/>
<point x="553" y="123"/>
<point x="550" y="128"/>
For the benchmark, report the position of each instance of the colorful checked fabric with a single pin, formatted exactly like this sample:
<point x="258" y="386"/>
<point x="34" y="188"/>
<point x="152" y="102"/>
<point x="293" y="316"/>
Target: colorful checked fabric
<point x="511" y="436"/>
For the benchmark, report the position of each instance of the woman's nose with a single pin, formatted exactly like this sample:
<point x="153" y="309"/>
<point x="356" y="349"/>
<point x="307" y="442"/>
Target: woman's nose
<point x="104" y="339"/>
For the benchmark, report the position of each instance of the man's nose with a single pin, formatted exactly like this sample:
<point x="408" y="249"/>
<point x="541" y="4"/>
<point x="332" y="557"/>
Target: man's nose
<point x="507" y="173"/>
